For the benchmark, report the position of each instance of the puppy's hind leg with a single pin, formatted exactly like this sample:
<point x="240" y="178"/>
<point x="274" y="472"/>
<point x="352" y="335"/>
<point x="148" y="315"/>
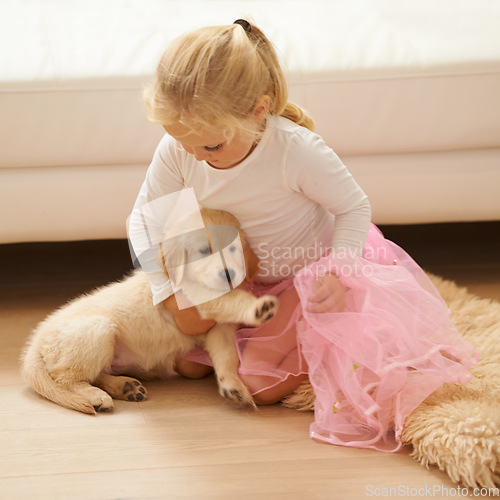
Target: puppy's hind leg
<point x="85" y="347"/>
<point x="221" y="347"/>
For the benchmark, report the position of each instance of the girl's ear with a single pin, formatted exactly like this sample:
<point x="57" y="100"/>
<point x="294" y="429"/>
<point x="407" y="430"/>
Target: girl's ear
<point x="261" y="109"/>
<point x="173" y="261"/>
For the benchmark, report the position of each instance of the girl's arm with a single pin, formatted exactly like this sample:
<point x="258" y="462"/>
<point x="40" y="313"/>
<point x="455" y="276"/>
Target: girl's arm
<point x="318" y="173"/>
<point x="162" y="178"/>
<point x="314" y="170"/>
<point x="188" y="320"/>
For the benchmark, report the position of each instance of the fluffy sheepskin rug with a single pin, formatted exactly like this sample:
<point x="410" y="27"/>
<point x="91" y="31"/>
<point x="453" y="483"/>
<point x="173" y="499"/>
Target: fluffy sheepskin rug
<point x="457" y="428"/>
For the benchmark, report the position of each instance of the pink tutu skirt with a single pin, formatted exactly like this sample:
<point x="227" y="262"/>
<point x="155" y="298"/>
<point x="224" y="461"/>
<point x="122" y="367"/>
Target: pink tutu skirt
<point x="372" y="364"/>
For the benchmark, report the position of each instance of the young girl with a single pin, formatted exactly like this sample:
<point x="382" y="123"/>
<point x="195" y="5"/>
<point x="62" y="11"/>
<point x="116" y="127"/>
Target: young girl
<point x="357" y="315"/>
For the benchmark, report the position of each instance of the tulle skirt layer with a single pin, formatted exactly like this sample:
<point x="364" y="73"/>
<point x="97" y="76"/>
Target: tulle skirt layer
<point x="371" y="365"/>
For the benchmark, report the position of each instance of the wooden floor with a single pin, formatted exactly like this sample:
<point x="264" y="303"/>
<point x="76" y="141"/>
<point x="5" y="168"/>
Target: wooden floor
<point x="185" y="441"/>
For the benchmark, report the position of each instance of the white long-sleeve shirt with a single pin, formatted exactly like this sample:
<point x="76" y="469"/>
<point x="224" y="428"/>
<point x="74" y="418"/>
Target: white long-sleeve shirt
<point x="292" y="195"/>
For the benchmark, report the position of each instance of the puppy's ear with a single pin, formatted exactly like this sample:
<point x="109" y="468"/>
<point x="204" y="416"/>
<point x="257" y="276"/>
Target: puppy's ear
<point x="251" y="260"/>
<point x="173" y="261"/>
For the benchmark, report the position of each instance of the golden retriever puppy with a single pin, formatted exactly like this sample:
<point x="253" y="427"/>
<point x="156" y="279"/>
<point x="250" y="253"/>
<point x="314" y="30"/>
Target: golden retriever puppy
<point x="86" y="353"/>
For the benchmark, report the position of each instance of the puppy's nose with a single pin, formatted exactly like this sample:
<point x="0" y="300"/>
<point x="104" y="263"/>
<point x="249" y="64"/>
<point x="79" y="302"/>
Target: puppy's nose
<point x="228" y="273"/>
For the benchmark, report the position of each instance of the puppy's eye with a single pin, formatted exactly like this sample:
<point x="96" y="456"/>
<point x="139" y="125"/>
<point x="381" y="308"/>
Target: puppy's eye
<point x="205" y="250"/>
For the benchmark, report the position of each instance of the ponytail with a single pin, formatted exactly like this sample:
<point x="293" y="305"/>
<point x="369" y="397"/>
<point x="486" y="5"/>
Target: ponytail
<point x="297" y="115"/>
<point x="280" y="105"/>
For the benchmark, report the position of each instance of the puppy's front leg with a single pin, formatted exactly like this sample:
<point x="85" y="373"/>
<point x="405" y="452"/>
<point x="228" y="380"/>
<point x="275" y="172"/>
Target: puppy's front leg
<point x="221" y="347"/>
<point x="239" y="306"/>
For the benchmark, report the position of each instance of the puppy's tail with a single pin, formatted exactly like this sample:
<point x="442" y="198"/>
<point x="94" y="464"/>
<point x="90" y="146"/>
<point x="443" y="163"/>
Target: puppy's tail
<point x="35" y="372"/>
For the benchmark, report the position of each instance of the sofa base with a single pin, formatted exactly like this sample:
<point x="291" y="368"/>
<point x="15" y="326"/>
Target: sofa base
<point x="81" y="202"/>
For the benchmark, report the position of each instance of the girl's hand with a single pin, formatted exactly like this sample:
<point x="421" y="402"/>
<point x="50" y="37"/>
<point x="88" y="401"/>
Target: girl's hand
<point x="328" y="295"/>
<point x="188" y="320"/>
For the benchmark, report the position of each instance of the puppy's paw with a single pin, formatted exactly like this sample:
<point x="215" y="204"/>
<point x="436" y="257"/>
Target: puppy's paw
<point x="103" y="404"/>
<point x="133" y="390"/>
<point x="121" y="387"/>
<point x="236" y="392"/>
<point x="265" y="309"/>
<point x="100" y="400"/>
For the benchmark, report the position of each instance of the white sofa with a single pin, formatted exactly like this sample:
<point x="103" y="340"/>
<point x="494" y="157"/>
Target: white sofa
<point x="407" y="93"/>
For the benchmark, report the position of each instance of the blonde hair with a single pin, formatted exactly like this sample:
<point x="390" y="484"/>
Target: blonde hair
<point x="214" y="76"/>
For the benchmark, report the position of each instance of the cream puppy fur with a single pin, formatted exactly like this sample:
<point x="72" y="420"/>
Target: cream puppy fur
<point x="87" y="352"/>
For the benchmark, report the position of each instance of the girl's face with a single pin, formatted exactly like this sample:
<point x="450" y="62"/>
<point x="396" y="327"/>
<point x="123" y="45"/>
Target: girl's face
<point x="212" y="146"/>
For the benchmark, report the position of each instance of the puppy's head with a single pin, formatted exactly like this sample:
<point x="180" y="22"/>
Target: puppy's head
<point x="216" y="256"/>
